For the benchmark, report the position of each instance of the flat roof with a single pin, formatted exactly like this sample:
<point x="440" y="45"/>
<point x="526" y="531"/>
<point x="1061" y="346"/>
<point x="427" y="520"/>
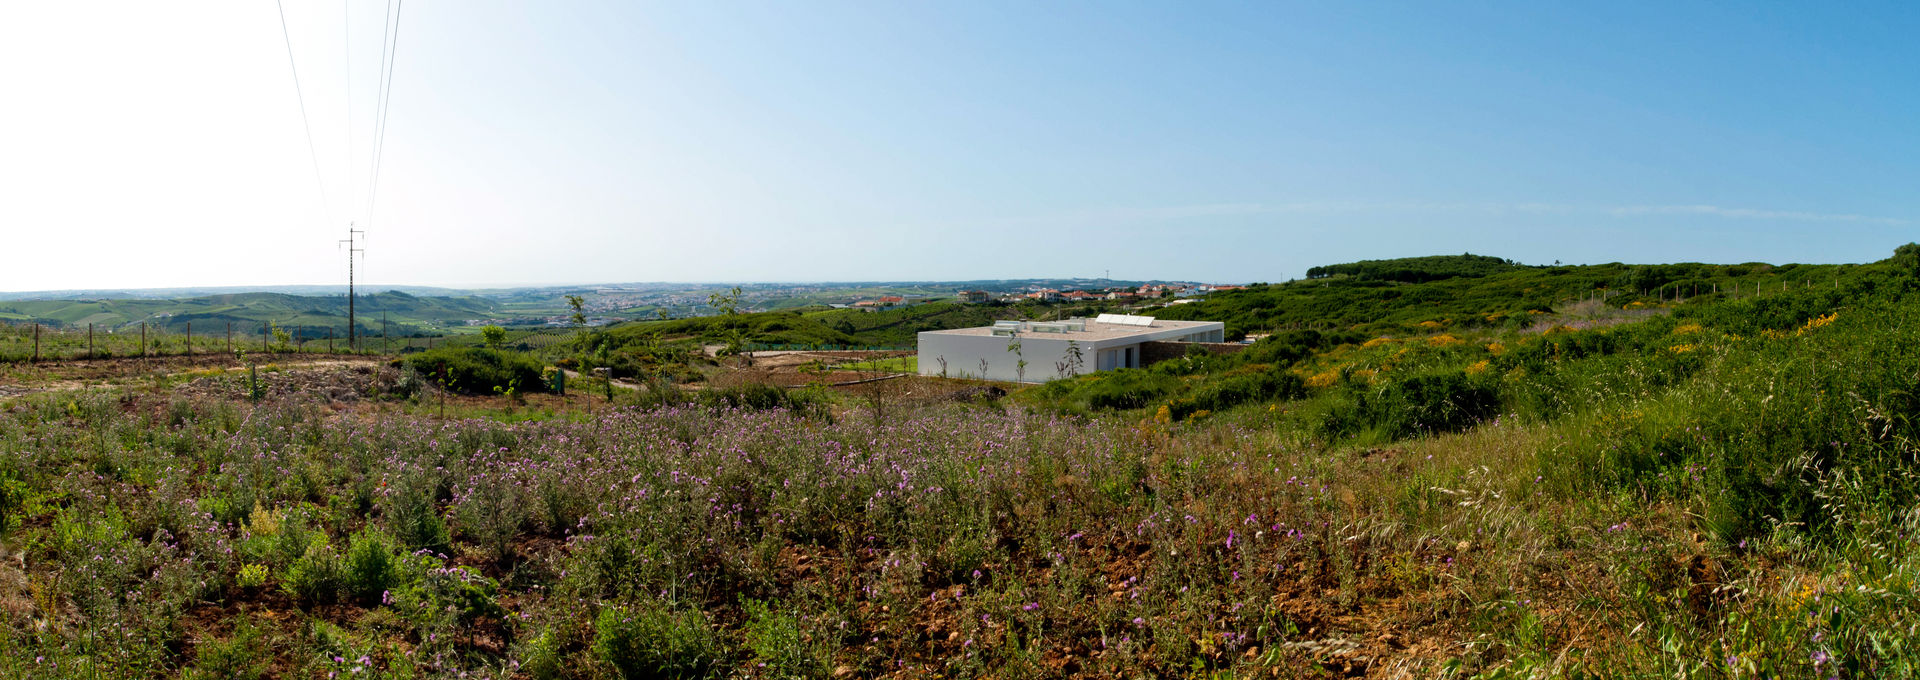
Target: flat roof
<point x="1095" y="330"/>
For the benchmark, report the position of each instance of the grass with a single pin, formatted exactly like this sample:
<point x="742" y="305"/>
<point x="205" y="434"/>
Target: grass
<point x="1722" y="490"/>
<point x="906" y="364"/>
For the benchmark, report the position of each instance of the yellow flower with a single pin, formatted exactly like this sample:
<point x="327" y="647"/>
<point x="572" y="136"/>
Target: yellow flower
<point x="1443" y="340"/>
<point x="1687" y="328"/>
<point x="1324" y="379"/>
<point x="1681" y="349"/>
<point x="1816" y="322"/>
<point x="1479" y="367"/>
<point x="1376" y="342"/>
<point x="1496" y="349"/>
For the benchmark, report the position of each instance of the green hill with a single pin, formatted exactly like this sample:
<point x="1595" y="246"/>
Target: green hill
<point x="900" y="326"/>
<point x="1418" y="269"/>
<point x="1497" y="299"/>
<point x="249" y="311"/>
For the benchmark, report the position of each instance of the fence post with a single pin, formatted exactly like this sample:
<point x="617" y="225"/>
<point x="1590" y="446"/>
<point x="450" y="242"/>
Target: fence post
<point x="329" y="339"/>
<point x="265" y="333"/>
<point x="143" y="340"/>
<point x="229" y="337"/>
<point x="89" y="341"/>
<point x="36" y="342"/>
<point x="189" y="338"/>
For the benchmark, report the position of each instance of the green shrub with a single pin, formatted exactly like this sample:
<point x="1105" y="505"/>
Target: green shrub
<point x="762" y="397"/>
<point x="1116" y="390"/>
<point x="775" y="639"/>
<point x="540" y="656"/>
<point x="651" y="641"/>
<point x="252" y="576"/>
<point x="1225" y="393"/>
<point x="416" y="522"/>
<point x="371" y="567"/>
<point x="444" y="599"/>
<point x="277" y="537"/>
<point x="318" y="576"/>
<point x="478" y="370"/>
<point x="241" y="656"/>
<point x="1446" y="401"/>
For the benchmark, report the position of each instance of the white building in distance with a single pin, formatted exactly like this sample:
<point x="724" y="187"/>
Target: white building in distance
<point x="1107" y="342"/>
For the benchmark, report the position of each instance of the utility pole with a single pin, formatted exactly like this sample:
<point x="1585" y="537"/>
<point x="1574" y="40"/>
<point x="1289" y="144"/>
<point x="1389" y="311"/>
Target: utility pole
<point x="351" y="242"/>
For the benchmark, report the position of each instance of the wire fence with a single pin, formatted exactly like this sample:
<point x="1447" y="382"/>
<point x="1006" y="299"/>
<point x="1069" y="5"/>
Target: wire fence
<point x="26" y="341"/>
<point x="820" y="347"/>
<point x="45" y="342"/>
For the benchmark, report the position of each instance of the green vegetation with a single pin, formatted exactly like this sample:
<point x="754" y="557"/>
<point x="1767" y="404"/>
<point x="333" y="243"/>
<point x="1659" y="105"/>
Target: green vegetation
<point x="475" y="370"/>
<point x="906" y="364"/>
<point x="900" y="326"/>
<point x="1720" y="487"/>
<point x="1418" y="269"/>
<point x="248" y="311"/>
<point x="1504" y="297"/>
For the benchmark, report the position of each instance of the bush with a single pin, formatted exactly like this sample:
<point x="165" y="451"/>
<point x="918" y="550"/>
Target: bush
<point x="239" y="657"/>
<point x="477" y="370"/>
<point x="1448" y="401"/>
<point x="318" y="576"/>
<point x="650" y="641"/>
<point x="762" y="397"/>
<point x="416" y="522"/>
<point x="371" y="568"/>
<point x="1124" y="389"/>
<point x="777" y="642"/>
<point x="1225" y="393"/>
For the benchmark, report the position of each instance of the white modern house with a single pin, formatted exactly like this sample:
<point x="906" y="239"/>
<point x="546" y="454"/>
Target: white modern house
<point x="1103" y="343"/>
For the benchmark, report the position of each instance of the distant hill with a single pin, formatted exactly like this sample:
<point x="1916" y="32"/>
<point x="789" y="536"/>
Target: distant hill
<point x="1419" y="269"/>
<point x="249" y="311"/>
<point x="1453" y="291"/>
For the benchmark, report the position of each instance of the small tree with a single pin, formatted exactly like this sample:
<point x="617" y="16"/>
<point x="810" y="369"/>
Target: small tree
<point x="727" y="303"/>
<point x="1020" y="366"/>
<point x="494" y="336"/>
<point x="579" y="310"/>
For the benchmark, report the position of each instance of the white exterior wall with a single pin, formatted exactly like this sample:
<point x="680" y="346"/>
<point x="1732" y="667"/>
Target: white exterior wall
<point x="964" y="352"/>
<point x="1042" y="351"/>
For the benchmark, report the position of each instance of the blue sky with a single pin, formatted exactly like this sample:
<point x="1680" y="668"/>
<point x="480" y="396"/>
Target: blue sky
<point x="580" y="142"/>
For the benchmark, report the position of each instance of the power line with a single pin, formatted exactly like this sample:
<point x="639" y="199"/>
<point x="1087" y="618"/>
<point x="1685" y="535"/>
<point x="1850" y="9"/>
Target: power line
<point x="391" y="51"/>
<point x="312" y="153"/>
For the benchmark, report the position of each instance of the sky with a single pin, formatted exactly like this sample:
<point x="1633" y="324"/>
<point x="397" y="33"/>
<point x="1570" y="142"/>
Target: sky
<point x="162" y="144"/>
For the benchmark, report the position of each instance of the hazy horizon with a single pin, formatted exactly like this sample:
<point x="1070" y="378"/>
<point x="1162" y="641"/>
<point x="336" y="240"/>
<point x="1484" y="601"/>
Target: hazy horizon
<point x="160" y="146"/>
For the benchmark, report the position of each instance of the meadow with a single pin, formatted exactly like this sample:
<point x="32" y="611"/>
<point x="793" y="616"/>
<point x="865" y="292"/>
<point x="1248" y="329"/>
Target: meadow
<point x="1718" y="488"/>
